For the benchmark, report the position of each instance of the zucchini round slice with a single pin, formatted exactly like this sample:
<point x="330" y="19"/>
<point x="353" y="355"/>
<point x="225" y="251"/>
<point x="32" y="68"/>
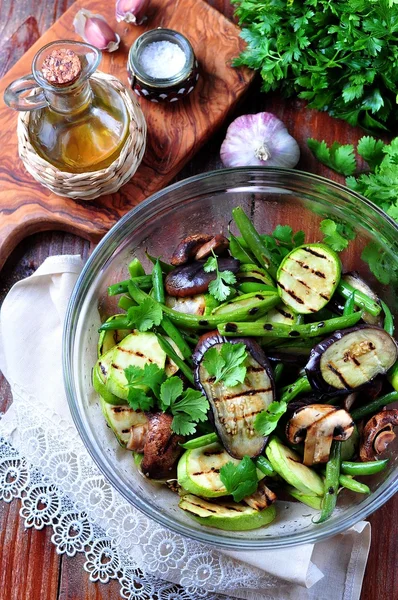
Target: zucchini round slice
<point x="289" y="466"/>
<point x="100" y="387"/>
<point x="229" y="516"/>
<point x="312" y="501"/>
<point x="121" y="419"/>
<point x="308" y="276"/>
<point x="110" y="337"/>
<point x="198" y="470"/>
<point x="351" y="358"/>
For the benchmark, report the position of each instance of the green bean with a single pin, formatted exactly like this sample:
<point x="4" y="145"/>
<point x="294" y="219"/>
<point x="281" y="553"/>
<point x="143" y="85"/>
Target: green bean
<point x="157" y="282"/>
<point x="199" y="442"/>
<point x="183" y="320"/>
<point x="331" y="482"/>
<point x="349" y="306"/>
<point x="349" y="483"/>
<point x="136" y="269"/>
<point x="278" y="370"/>
<point x="280" y="330"/>
<point x="263" y="465"/>
<point x="374" y="406"/>
<point x="171" y="330"/>
<point x="361" y="299"/>
<point x="392" y="376"/>
<point x="120" y="323"/>
<point x="254" y="241"/>
<point x="248" y="287"/>
<point x="125" y="302"/>
<point x="144" y="282"/>
<point x="166" y="347"/>
<point x="166" y="268"/>
<point x="190" y="338"/>
<point x="363" y="468"/>
<point x="238" y="252"/>
<point x="300" y="386"/>
<point x="388" y="319"/>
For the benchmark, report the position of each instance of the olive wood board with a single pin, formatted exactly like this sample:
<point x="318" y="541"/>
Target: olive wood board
<point x="175" y="131"/>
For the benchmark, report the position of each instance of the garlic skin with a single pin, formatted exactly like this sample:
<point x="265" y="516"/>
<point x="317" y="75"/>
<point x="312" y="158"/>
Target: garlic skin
<point x="131" y="11"/>
<point x="94" y="30"/>
<point x="259" y="140"/>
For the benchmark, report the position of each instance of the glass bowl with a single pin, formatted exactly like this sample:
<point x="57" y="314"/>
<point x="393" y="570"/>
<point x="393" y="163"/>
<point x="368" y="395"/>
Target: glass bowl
<point x="204" y="203"/>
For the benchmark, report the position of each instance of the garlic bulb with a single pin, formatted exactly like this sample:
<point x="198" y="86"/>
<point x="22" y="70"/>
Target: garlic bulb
<point x="95" y="30"/>
<point x="259" y="140"/>
<point x="131" y="11"/>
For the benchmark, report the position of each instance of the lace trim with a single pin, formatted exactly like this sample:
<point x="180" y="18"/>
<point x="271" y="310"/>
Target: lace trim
<point x="61" y="487"/>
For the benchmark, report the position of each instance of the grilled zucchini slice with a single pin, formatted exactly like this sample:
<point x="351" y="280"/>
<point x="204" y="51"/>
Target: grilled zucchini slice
<point x="100" y="377"/>
<point x="229" y="516"/>
<point x="109" y="338"/>
<point x="308" y="276"/>
<point x="121" y="419"/>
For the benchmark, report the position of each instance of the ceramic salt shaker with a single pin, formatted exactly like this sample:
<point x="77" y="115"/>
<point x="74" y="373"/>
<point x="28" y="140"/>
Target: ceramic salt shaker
<point x="162" y="66"/>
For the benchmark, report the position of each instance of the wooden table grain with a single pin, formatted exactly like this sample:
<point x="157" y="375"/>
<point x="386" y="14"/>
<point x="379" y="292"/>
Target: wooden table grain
<point x="30" y="568"/>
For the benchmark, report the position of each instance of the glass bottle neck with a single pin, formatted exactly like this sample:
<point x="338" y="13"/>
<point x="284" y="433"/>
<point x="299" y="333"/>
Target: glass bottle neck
<point x="70" y="102"/>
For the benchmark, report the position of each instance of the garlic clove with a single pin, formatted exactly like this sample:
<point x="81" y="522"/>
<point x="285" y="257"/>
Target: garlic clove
<point x="95" y="30"/>
<point x="259" y="140"/>
<point x="131" y="11"/>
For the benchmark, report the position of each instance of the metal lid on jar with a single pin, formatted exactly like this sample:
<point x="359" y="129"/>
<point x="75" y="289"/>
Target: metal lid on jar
<point x="161" y="58"/>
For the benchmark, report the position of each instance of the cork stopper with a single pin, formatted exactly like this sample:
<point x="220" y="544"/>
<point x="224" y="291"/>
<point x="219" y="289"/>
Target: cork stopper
<point x="61" y="67"/>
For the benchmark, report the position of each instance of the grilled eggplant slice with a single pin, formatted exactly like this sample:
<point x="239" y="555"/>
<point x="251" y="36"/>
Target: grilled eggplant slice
<point x="351" y="358"/>
<point x="230" y="516"/>
<point x="308" y="276"/>
<point x="234" y="409"/>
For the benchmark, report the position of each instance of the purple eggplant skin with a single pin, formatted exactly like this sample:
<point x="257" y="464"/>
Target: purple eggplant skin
<point x="207" y="341"/>
<point x="192" y="279"/>
<point x="313" y="369"/>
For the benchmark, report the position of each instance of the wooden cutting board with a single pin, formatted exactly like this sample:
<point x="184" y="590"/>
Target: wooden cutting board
<point x="175" y="132"/>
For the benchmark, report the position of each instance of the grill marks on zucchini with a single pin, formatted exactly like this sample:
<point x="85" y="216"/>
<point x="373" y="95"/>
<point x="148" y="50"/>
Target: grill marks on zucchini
<point x="308" y="277"/>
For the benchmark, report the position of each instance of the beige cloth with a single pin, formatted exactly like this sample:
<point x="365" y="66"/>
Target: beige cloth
<point x="31" y="323"/>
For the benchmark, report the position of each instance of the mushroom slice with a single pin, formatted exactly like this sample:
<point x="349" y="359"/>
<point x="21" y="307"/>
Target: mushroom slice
<point x="317" y="425"/>
<point x="217" y="244"/>
<point x="262" y="497"/>
<point x="192" y="279"/>
<point x="349" y="400"/>
<point x="304" y="417"/>
<point x="162" y="447"/>
<point x="137" y="439"/>
<point x="378" y="433"/>
<point x="190" y="305"/>
<point x="188" y="247"/>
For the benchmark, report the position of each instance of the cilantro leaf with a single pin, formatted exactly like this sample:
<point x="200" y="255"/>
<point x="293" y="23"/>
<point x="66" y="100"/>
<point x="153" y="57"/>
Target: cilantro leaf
<point x="267" y="420"/>
<point x="240" y="480"/>
<point x="338" y="157"/>
<point x="139" y="380"/>
<point x="170" y="390"/>
<point x="146" y="315"/>
<point x="336" y="235"/>
<point x="218" y="288"/>
<point x="187" y="407"/>
<point x="380" y="263"/>
<point x="227" y="364"/>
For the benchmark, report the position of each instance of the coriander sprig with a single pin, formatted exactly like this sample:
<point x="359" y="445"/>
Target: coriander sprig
<point x="227" y="365"/>
<point x="220" y="288"/>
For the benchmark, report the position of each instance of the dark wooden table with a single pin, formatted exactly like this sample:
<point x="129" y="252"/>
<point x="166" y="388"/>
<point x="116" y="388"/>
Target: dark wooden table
<point x="30" y="569"/>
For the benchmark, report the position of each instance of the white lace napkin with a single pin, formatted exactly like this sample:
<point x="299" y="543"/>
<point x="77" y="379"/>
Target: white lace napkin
<point x="61" y="486"/>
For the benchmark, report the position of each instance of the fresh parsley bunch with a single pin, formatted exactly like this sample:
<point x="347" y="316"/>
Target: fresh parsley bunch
<point x="341" y="56"/>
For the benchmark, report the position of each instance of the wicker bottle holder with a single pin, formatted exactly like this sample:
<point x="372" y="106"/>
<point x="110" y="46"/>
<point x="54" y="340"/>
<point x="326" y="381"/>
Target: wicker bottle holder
<point x="87" y="186"/>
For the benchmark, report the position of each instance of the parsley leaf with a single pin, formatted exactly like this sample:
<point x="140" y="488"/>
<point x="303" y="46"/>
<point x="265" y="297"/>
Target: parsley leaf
<point x="146" y="315"/>
<point x="227" y="364"/>
<point x="187" y="407"/>
<point x="336" y="235"/>
<point x="219" y="288"/>
<point x="139" y="380"/>
<point x="338" y="157"/>
<point x="267" y="420"/>
<point x="240" y="480"/>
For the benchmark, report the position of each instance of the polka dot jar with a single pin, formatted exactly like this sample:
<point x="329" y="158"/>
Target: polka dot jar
<point x="162" y="66"/>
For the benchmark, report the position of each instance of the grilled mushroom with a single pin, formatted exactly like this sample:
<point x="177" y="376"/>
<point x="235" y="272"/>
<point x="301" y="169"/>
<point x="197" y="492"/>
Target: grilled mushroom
<point x="198" y="246"/>
<point x="262" y="497"/>
<point x="318" y="425"/>
<point x="378" y="433"/>
<point x="161" y="448"/>
<point x="137" y="439"/>
<point x="192" y="279"/>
